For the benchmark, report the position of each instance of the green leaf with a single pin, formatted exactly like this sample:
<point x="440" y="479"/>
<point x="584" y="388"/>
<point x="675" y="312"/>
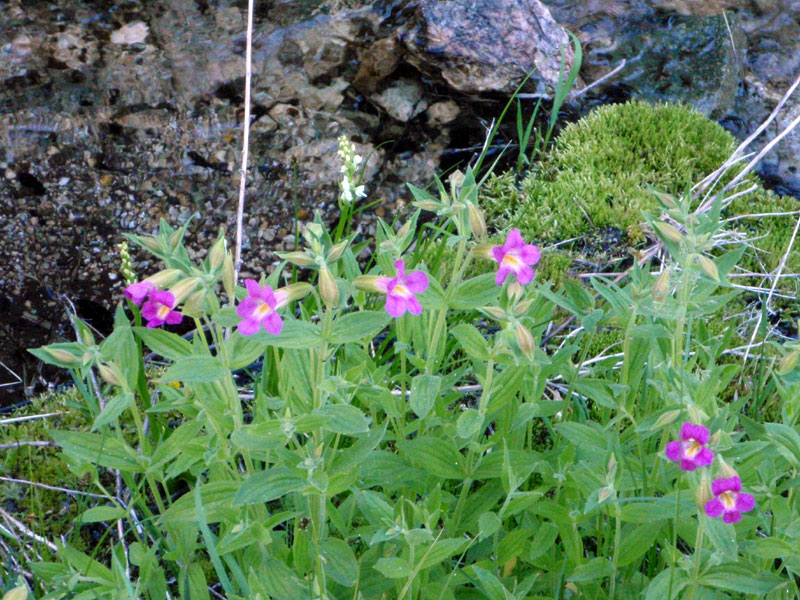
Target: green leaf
<point x="87" y="566"/>
<point x="476" y="292"/>
<point x="424" y="392"/>
<point x="490" y="584"/>
<point x="544" y="540"/>
<point x="244" y="351"/>
<point x="488" y="524"/>
<point x="164" y="343"/>
<point x="513" y="544"/>
<point x="195" y="369"/>
<point x="344" y="418"/>
<point x="113" y="409"/>
<point x="786" y="441"/>
<point x="647" y="512"/>
<point x="584" y="436"/>
<point x="393" y="567"/>
<point x="279" y="581"/>
<point x="597" y="568"/>
<point x="596" y="390"/>
<point x="98" y="449"/>
<point x="742" y="578"/>
<point x="169" y="448"/>
<point x="268" y="485"/>
<point x="260" y="437"/>
<point x="102" y="513"/>
<point x="359" y="326"/>
<point x="340" y="561"/>
<point x="217" y="498"/>
<point x="668" y="579"/>
<point x="637" y="541"/>
<point x="469" y="423"/>
<point x="771" y="548"/>
<point x="723" y="537"/>
<point x="198" y="586"/>
<point x="436" y="456"/>
<point x="440" y="550"/>
<point x="471" y="341"/>
<point x="296" y="335"/>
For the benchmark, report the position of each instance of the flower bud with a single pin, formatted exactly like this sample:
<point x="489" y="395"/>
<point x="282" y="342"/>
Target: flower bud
<point x="217" y="253"/>
<point x="429" y="205"/>
<point x="604" y="493"/>
<point x="515" y="291"/>
<point x="153" y="244"/>
<point x="110" y="373"/>
<point x="62" y="356"/>
<point x="164" y="278"/>
<point x="496" y="313"/>
<point x="669" y="232"/>
<point x="175" y="238"/>
<point x="727" y="470"/>
<point x="193" y="307"/>
<point x="183" y="288"/>
<point x="296" y="291"/>
<point x="229" y="277"/>
<point x="703" y="494"/>
<point x="476" y="221"/>
<point x="456" y="183"/>
<point x="337" y="251"/>
<point x="667" y="418"/>
<point x="483" y="251"/>
<point x="715" y="437"/>
<point x="709" y="268"/>
<point x="301" y="259"/>
<point x="661" y="286"/>
<point x="508" y="568"/>
<point x="788" y="362"/>
<point x="523" y="307"/>
<point x="403" y="231"/>
<point x="367" y="283"/>
<point x="126" y="264"/>
<point x="328" y="288"/>
<point x="524" y="339"/>
<point x="665" y="199"/>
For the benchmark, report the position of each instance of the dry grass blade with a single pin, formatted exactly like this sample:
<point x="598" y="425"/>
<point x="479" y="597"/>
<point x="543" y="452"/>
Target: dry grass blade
<point x="20" y="527"/>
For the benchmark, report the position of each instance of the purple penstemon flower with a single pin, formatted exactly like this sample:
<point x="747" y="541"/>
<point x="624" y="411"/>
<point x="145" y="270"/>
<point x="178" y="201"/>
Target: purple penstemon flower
<point x="400" y="290"/>
<point x="259" y="309"/>
<point x="159" y="309"/>
<point x="515" y="257"/>
<point x="730" y="501"/>
<point x="691" y="452"/>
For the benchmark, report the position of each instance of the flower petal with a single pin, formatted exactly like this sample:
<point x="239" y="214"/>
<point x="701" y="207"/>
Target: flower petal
<point x="137" y="292"/>
<point x="414" y="307"/>
<point x="150" y="310"/>
<point x="688" y="464"/>
<point x="514" y="240"/>
<point x="248" y="306"/>
<point x="162" y="297"/>
<point x="400" y="265"/>
<point x="714" y="508"/>
<point x="704" y="458"/>
<point x="529" y="254"/>
<point x="524" y="274"/>
<point x="674" y="451"/>
<point x="732" y="484"/>
<point x="273" y="323"/>
<point x="745" y="503"/>
<point x="249" y="326"/>
<point x="498" y="253"/>
<point x="502" y="273"/>
<point x="174" y="317"/>
<point x="416" y="282"/>
<point x="690" y="431"/>
<point x="395" y="305"/>
<point x="253" y="288"/>
<point x="154" y="323"/>
<point x="731" y="516"/>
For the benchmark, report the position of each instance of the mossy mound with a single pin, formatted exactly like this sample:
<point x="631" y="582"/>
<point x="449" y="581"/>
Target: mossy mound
<point x="597" y="174"/>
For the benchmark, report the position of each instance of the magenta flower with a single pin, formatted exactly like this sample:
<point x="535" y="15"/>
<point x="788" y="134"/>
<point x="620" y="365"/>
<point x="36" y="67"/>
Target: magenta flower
<point x="730" y="502"/>
<point x="159" y="309"/>
<point x="400" y="290"/>
<point x="517" y="257"/>
<point x="137" y="292"/>
<point x="259" y="308"/>
<point x="691" y="451"/>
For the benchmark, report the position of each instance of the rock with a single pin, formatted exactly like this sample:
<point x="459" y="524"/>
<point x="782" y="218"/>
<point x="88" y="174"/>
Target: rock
<point x="441" y="113"/>
<point x="402" y="99"/>
<point x="688" y="59"/>
<point x="766" y="35"/>
<point x="487" y="45"/>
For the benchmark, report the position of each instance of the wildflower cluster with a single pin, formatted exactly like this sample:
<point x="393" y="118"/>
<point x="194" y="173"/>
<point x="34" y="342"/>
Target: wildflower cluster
<point x="691" y="452"/>
<point x="349" y="188"/>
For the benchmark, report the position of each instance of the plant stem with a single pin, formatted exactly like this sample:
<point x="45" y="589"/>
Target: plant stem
<point x="698" y="543"/>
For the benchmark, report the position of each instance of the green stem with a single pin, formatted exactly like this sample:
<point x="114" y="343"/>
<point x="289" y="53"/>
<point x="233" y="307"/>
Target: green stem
<point x="698" y="543"/>
<point x="617" y="543"/>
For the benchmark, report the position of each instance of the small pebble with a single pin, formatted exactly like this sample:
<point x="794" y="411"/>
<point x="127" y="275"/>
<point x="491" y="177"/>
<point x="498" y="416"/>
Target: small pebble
<point x="64" y="181"/>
